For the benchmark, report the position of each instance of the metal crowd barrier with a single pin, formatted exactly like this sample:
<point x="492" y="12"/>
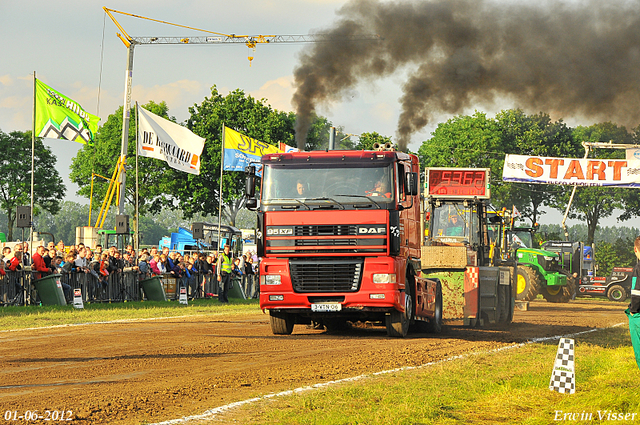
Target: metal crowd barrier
<point x="16" y="288"/>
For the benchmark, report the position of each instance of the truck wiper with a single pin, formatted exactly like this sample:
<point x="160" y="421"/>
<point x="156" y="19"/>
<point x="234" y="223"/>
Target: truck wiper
<point x="278" y="201"/>
<point x="363" y="196"/>
<point x="327" y="199"/>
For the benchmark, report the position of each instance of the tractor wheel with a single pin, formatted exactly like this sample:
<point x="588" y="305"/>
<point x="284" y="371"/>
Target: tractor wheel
<point x="560" y="294"/>
<point x="281" y="323"/>
<point x="528" y="284"/>
<point x="505" y="313"/>
<point x="398" y="322"/>
<point x="617" y="293"/>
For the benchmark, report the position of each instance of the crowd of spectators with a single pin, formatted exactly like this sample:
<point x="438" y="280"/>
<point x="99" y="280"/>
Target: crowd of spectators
<point x="190" y="270"/>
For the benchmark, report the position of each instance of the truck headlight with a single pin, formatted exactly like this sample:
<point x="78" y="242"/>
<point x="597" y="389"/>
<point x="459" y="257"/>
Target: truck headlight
<point x="384" y="278"/>
<point x="270" y="279"/>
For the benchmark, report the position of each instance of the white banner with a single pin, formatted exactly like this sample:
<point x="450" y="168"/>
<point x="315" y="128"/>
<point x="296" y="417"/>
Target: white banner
<point x="571" y="171"/>
<point x="162" y="139"/>
<point x="633" y="154"/>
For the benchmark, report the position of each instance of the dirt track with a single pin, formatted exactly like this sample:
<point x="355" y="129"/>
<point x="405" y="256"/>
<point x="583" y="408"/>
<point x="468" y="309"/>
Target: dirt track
<point x="150" y="371"/>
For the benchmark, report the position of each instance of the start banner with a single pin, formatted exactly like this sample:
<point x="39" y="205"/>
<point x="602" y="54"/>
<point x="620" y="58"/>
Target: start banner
<point x="571" y="171"/>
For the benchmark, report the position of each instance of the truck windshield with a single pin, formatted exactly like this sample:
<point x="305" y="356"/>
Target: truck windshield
<point x="328" y="186"/>
<point x="452" y="222"/>
<point x="519" y="239"/>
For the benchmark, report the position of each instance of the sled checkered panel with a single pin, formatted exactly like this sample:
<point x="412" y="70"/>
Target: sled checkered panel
<point x="563" y="375"/>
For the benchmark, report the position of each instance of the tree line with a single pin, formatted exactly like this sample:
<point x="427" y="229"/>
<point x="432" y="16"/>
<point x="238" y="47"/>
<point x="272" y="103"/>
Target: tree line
<point x="463" y="141"/>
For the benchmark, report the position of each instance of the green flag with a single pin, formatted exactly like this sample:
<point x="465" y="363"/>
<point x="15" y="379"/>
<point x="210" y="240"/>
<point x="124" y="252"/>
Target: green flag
<point x="58" y="117"/>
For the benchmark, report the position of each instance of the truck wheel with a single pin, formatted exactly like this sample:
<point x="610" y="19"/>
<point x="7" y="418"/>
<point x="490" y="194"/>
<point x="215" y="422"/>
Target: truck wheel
<point x="281" y="323"/>
<point x="528" y="284"/>
<point x="435" y="323"/>
<point x="398" y="322"/>
<point x="560" y="294"/>
<point x="617" y="293"/>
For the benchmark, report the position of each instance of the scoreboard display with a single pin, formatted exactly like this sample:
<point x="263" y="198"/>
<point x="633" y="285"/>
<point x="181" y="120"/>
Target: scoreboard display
<point x="458" y="183"/>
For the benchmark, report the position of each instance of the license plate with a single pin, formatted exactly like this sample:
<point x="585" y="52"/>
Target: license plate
<point x="326" y="307"/>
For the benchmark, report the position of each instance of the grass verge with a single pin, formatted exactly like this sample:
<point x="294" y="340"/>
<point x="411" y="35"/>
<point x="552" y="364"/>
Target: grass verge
<point x="39" y="316"/>
<point x="509" y="386"/>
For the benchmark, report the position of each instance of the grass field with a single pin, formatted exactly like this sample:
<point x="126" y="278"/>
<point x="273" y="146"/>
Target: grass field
<point x="509" y="386"/>
<point x="39" y="316"/>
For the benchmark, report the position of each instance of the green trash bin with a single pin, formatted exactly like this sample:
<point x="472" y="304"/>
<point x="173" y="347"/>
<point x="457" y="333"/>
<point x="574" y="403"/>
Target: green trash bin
<point x="50" y="290"/>
<point x="236" y="290"/>
<point x="153" y="289"/>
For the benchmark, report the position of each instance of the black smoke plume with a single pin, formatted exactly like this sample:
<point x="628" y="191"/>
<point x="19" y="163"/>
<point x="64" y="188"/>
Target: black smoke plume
<point x="576" y="59"/>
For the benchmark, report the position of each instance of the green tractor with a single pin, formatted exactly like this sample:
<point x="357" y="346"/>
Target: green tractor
<point x="540" y="271"/>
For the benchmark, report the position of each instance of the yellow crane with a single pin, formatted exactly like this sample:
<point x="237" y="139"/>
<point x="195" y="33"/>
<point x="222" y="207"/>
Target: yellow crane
<point x="212" y="38"/>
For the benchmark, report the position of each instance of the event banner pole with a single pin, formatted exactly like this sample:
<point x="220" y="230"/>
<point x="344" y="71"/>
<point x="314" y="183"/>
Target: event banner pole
<point x="220" y="194"/>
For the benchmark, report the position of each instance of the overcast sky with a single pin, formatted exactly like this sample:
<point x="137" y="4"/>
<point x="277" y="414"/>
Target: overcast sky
<point x="72" y="46"/>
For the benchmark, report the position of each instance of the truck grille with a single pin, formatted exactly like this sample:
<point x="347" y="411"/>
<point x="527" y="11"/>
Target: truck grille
<point x="326" y="276"/>
<point x="326" y="230"/>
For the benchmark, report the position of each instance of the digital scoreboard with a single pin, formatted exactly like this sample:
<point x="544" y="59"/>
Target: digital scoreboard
<point x="459" y="183"/>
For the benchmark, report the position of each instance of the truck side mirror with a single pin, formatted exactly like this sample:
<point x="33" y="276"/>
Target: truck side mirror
<point x="411" y="184"/>
<point x="250" y="187"/>
<point x="251" y="204"/>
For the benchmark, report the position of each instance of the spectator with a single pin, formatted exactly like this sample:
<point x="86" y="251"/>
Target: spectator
<point x="172" y="260"/>
<point x="143" y="267"/>
<point x="47" y="258"/>
<point x="104" y="270"/>
<point x="163" y="265"/>
<point x="81" y="260"/>
<point x="12" y="262"/>
<point x="94" y="269"/>
<point x="26" y="259"/>
<point x="39" y="266"/>
<point x="56" y="264"/>
<point x="249" y="275"/>
<point x="224" y="270"/>
<point x="192" y="276"/>
<point x="205" y="270"/>
<point x="116" y="264"/>
<point x="153" y="264"/>
<point x="68" y="265"/>
<point x="98" y="252"/>
<point x="60" y="246"/>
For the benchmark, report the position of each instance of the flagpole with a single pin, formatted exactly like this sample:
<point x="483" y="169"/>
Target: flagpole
<point x="137" y="234"/>
<point x="220" y="194"/>
<point x="33" y="148"/>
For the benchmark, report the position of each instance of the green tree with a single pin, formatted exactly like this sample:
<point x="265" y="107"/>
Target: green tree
<point x="62" y="225"/>
<point x="200" y="194"/>
<point x="534" y="135"/>
<point x="15" y="177"/>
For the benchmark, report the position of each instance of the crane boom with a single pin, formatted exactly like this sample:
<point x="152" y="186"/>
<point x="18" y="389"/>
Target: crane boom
<point x="250" y="40"/>
<point x="219" y="38"/>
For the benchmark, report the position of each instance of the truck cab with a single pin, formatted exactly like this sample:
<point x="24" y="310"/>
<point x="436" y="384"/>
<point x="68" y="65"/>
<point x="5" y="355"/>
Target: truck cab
<point x="339" y="235"/>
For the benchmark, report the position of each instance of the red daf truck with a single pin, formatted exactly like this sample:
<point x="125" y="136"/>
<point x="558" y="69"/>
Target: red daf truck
<point x="339" y="233"/>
